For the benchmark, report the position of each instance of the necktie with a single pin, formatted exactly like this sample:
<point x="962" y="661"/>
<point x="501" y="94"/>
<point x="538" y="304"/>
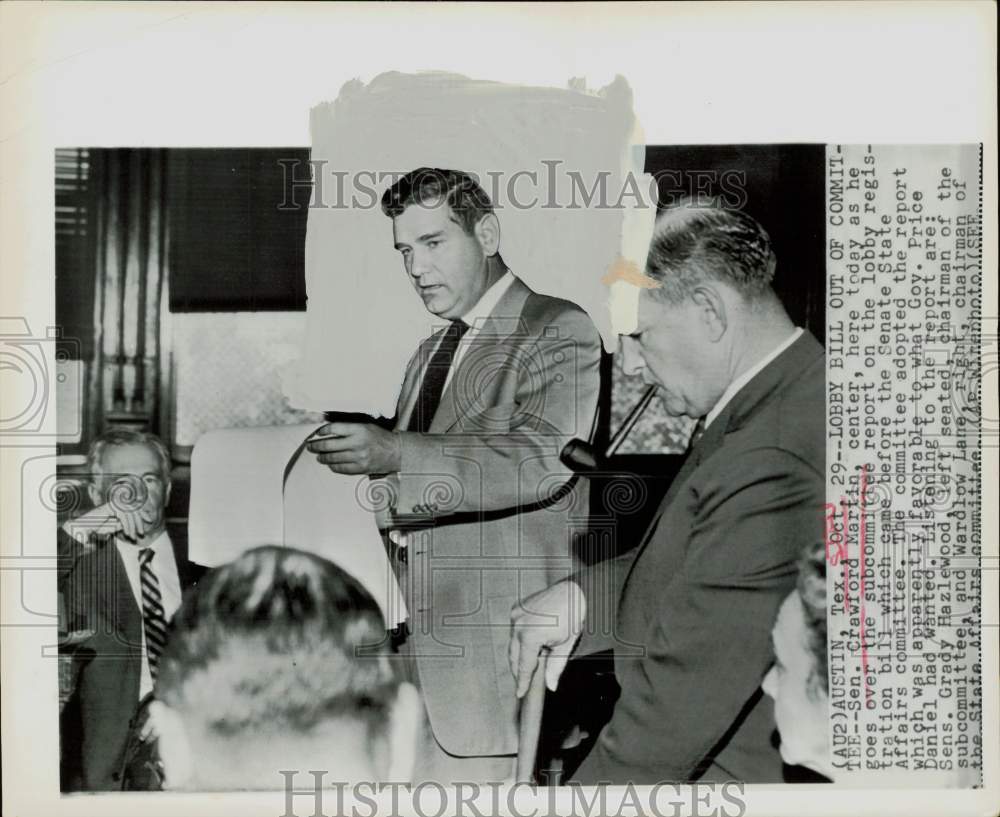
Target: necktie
<point x="435" y="375"/>
<point x="696" y="433"/>
<point x="153" y="621"/>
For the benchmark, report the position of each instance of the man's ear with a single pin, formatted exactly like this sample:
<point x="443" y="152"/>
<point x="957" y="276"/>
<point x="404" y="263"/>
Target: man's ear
<point x="173" y="745"/>
<point x="487" y="233"/>
<point x="711" y="309"/>
<point x="94" y="492"/>
<point x="404" y="729"/>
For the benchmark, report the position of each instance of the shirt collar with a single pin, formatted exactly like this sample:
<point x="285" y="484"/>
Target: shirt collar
<point x="488" y="302"/>
<point x="749" y="375"/>
<point x="158" y="545"/>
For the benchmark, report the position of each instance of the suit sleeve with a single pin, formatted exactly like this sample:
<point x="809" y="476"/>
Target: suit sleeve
<point x="75" y="577"/>
<point x="601" y="584"/>
<point x="509" y="456"/>
<point x="67" y="551"/>
<point x="77" y="618"/>
<point x="708" y="646"/>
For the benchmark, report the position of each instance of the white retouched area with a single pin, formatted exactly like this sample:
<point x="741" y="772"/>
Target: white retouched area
<point x="555" y="162"/>
<point x="226" y="74"/>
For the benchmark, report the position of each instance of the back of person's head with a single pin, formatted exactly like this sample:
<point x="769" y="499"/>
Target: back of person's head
<point x="278" y="661"/>
<point x="430" y="186"/>
<point x="694" y="242"/>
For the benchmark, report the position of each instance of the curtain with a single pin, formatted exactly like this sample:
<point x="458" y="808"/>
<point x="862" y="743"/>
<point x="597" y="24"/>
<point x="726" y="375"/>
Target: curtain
<point x="130" y="278"/>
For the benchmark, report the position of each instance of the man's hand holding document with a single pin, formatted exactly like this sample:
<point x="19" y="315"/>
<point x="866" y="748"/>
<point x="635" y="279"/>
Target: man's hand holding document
<point x="258" y="486"/>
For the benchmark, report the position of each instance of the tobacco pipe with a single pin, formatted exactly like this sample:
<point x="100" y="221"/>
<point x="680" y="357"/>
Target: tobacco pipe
<point x="580" y="455"/>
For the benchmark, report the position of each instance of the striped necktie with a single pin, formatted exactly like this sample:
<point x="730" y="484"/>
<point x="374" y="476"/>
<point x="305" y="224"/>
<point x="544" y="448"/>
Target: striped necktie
<point x="153" y="621"/>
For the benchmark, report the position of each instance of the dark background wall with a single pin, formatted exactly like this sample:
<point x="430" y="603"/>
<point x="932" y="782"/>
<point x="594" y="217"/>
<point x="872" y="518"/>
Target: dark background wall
<point x="237" y="231"/>
<point x="783" y="188"/>
<point x="238" y="225"/>
<point x="234" y="247"/>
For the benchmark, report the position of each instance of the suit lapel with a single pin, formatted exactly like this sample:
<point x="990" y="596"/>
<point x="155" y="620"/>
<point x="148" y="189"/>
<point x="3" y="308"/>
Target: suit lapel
<point x="185" y="574"/>
<point x="464" y="389"/>
<point x="700" y="451"/>
<point x="777" y="376"/>
<point x="696" y="455"/>
<point x="126" y="615"/>
<point x="773" y="379"/>
<point x="467" y="392"/>
<point x="414" y="377"/>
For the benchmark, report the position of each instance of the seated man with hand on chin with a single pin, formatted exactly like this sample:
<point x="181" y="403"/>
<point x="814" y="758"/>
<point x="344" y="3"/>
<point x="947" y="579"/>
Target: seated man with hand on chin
<point x="123" y="585"/>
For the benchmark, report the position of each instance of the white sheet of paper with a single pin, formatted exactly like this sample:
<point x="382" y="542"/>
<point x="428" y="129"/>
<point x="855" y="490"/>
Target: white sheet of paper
<point x="257" y="486"/>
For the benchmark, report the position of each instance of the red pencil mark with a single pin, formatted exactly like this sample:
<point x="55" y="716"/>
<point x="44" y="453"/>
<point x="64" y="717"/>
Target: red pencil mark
<point x="846" y="565"/>
<point x="836" y="544"/>
<point x="862" y="537"/>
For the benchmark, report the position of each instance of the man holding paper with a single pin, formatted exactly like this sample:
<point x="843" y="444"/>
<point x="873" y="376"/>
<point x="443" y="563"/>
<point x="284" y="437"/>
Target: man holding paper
<point x="480" y="516"/>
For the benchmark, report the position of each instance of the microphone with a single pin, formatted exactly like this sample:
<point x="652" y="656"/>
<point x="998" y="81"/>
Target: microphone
<point x="582" y="458"/>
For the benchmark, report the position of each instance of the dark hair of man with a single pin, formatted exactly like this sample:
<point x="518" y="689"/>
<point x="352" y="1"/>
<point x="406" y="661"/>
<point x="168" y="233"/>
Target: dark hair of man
<point x="811" y="585"/>
<point x="277" y="641"/>
<point x="694" y="242"/>
<point x="431" y="185"/>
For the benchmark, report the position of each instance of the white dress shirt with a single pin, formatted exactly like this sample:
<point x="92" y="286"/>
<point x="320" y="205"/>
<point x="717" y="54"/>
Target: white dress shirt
<point x="474" y="319"/>
<point x="749" y="375"/>
<point x="165" y="569"/>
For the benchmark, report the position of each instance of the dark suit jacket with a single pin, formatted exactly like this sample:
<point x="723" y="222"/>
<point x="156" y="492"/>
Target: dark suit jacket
<point x="95" y="722"/>
<point x="490" y="467"/>
<point x="697" y="599"/>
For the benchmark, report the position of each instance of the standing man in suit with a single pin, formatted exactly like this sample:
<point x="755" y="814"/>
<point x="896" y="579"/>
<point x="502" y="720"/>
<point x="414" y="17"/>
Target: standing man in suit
<point x="487" y="403"/>
<point x="689" y="611"/>
<point x="124" y="585"/>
